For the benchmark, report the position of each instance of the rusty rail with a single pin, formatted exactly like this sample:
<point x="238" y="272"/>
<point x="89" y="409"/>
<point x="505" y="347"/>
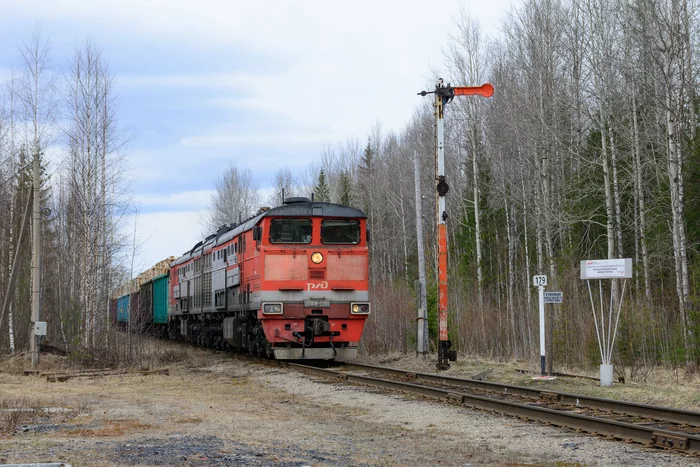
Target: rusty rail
<point x="645" y="435"/>
<point x="679" y="416"/>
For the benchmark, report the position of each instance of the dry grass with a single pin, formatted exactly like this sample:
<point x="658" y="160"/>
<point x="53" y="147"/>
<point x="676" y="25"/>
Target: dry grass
<point x="119" y="427"/>
<point x="20" y="362"/>
<point x="18" y="411"/>
<point x="146" y="353"/>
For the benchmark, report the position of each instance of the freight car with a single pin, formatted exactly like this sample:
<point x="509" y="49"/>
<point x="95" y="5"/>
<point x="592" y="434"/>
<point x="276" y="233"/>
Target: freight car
<point x="141" y="304"/>
<point x="289" y="283"/>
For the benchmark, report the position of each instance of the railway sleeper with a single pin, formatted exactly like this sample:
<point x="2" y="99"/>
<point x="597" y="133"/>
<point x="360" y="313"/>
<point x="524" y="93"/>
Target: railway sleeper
<point x="550" y="397"/>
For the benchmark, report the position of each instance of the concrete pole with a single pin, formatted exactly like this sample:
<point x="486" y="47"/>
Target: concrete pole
<point x="422" y="333"/>
<point x="36" y="259"/>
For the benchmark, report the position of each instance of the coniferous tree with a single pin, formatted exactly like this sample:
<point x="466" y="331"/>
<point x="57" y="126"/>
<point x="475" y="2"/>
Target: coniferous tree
<point x="365" y="169"/>
<point x="345" y="189"/>
<point x="321" y="190"/>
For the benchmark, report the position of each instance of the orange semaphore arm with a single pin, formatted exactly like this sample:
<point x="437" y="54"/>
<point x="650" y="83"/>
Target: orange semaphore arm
<point x="485" y="90"/>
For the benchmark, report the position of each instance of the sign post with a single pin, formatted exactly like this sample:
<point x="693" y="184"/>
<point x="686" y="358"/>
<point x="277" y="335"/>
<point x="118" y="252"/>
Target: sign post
<point x="606" y="269"/>
<point x="540" y="282"/>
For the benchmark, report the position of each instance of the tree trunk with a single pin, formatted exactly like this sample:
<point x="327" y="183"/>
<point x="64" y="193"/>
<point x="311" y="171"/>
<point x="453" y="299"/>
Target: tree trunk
<point x="510" y="229"/>
<point x="477" y="218"/>
<point x="639" y="186"/>
<point x="675" y="175"/>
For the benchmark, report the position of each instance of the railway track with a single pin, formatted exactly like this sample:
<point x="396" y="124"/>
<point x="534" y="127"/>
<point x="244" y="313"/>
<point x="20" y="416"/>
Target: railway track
<point x="662" y="414"/>
<point x="640" y="423"/>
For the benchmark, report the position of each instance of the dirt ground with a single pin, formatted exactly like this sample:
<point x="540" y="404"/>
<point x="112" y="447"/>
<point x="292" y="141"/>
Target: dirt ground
<point x="215" y="409"/>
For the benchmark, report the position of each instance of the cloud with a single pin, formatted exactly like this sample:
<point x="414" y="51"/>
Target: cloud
<point x="347" y="64"/>
<point x="196" y="200"/>
<point x="269" y="138"/>
<point x="214" y="79"/>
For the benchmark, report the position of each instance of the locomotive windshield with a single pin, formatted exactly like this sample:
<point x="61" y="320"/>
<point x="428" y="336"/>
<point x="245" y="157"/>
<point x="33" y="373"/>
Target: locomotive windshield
<point x="340" y="231"/>
<point x="290" y="230"/>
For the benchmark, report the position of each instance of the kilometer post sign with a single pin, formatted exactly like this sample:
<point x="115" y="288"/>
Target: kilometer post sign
<point x="606" y="268"/>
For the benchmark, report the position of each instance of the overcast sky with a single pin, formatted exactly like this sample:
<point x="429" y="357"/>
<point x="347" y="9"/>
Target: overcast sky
<point x="265" y="84"/>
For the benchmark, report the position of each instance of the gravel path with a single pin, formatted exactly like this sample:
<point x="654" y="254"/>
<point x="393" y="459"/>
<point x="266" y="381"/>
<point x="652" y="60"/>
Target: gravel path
<point x="216" y="410"/>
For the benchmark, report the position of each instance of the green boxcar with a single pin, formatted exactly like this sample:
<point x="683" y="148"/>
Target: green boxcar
<point x="160" y="299"/>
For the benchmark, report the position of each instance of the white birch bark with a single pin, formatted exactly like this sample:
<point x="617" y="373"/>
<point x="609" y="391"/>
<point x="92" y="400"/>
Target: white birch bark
<point x="639" y="187"/>
<point x="528" y="273"/>
<point x="477" y="221"/>
<point x="617" y="196"/>
<point x="510" y="229"/>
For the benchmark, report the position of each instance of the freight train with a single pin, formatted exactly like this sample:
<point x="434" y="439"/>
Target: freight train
<point x="290" y="283"/>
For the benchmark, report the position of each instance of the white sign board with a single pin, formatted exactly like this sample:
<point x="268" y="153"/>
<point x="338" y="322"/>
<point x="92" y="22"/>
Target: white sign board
<point x="539" y="281"/>
<point x="553" y="297"/>
<point x="606" y="268"/>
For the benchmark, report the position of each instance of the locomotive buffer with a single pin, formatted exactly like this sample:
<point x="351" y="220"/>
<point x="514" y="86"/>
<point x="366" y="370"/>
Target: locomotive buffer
<point x="443" y="95"/>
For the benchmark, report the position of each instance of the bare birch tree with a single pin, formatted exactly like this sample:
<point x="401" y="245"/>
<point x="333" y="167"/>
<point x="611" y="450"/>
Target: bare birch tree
<point x="236" y="198"/>
<point x="92" y="168"/>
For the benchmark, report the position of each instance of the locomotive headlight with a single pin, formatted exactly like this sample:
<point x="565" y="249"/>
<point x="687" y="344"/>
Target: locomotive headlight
<point x="272" y="308"/>
<point x="359" y="308"/>
<point x="316" y="257"/>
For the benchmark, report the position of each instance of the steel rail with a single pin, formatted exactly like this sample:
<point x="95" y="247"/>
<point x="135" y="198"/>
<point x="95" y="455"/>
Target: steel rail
<point x="647" y="436"/>
<point x="668" y="414"/>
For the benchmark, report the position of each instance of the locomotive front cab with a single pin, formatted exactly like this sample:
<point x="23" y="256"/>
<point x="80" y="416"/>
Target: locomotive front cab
<point x="314" y="283"/>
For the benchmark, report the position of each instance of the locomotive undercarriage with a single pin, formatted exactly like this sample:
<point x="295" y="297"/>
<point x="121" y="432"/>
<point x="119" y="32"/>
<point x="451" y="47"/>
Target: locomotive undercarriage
<point x="207" y="331"/>
<point x="242" y="332"/>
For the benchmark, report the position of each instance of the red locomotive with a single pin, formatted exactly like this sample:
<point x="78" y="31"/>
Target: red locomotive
<point x="291" y="282"/>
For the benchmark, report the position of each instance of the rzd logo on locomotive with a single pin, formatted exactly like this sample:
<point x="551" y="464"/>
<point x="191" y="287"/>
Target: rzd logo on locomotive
<point x="316" y="285"/>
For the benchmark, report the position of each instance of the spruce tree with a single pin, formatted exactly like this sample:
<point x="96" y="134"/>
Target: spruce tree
<point x="345" y="188"/>
<point x="321" y="190"/>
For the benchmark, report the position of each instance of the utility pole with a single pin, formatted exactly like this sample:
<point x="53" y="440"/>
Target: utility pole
<point x="443" y="95"/>
<point x="422" y="321"/>
<point x="36" y="259"/>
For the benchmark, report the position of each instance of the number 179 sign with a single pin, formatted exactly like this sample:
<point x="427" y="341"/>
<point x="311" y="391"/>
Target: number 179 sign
<point x="539" y="281"/>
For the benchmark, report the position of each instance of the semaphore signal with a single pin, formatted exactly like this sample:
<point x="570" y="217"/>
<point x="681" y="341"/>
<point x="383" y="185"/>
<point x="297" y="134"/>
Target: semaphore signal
<point x="443" y="95"/>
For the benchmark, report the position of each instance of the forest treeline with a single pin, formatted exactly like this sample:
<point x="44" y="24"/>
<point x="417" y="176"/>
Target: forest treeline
<point x="588" y="149"/>
<point x="64" y="111"/>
